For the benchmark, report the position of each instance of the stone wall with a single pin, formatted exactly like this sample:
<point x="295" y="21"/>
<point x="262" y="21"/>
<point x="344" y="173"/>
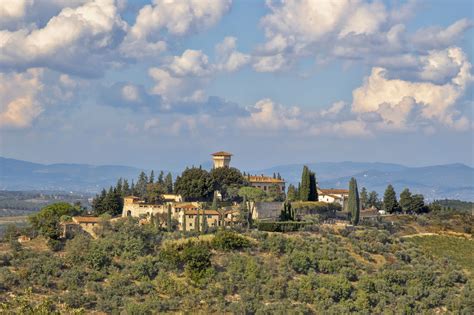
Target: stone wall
<point x="267" y="210"/>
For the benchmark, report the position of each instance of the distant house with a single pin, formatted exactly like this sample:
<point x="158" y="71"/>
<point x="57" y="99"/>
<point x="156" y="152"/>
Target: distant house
<point x="172" y="198"/>
<point x="333" y="195"/>
<point x="265" y="182"/>
<point x="80" y="225"/>
<point x="187" y="219"/>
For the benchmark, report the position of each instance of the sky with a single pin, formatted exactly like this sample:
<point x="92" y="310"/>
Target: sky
<point x="163" y="84"/>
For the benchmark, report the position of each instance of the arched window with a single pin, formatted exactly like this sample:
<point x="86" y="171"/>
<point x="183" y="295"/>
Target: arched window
<point x="129" y="213"/>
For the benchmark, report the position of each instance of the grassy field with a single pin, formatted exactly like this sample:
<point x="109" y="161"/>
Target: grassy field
<point x="458" y="249"/>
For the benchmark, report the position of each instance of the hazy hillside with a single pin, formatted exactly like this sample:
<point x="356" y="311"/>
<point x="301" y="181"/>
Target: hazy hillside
<point x="453" y="181"/>
<point x="22" y="175"/>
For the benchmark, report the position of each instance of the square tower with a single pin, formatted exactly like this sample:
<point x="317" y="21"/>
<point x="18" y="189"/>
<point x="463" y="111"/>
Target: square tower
<point x="221" y="159"/>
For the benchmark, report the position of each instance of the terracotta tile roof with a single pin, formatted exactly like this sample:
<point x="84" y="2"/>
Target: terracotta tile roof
<point x="264" y="179"/>
<point x="206" y="212"/>
<point x="86" y="219"/>
<point x="221" y="153"/>
<point x="187" y="206"/>
<point x="334" y="191"/>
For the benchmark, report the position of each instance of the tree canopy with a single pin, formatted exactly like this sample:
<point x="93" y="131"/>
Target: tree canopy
<point x="195" y="184"/>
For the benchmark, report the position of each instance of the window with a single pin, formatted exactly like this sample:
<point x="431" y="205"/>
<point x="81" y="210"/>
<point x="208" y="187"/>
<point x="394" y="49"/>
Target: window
<point x="209" y="216"/>
<point x="190" y="216"/>
<point x="190" y="224"/>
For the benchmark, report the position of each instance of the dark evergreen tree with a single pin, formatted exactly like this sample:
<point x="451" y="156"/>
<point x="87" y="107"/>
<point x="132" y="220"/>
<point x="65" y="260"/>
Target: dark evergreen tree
<point x="151" y="179"/>
<point x="406" y="200"/>
<point x="161" y="178"/>
<point x="291" y="195"/>
<point x="374" y="200"/>
<point x="168" y="219"/>
<point x="278" y="176"/>
<point x="353" y="205"/>
<point x="390" y="203"/>
<point x="305" y="187"/>
<point x="364" y="198"/>
<point x="195" y="184"/>
<point x="125" y="188"/>
<point x="215" y="202"/>
<point x="418" y="204"/>
<point x="204" y="223"/>
<point x="313" y="193"/>
<point x="140" y="186"/>
<point x="168" y="183"/>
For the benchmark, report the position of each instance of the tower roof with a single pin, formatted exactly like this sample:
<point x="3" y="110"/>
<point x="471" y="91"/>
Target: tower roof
<point x="221" y="153"/>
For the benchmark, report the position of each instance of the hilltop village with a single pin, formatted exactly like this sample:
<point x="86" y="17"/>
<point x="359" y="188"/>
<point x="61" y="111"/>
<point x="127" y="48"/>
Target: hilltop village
<point x="225" y="241"/>
<point x="234" y="198"/>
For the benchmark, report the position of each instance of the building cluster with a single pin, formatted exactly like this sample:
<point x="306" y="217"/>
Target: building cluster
<point x="189" y="216"/>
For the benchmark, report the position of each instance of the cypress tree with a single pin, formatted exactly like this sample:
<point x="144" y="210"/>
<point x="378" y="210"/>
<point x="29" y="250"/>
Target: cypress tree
<point x="168" y="218"/>
<point x="364" y="198"/>
<point x="305" y="184"/>
<point x="184" y="222"/>
<point x="313" y="194"/>
<point x="214" y="205"/>
<point x="353" y="201"/>
<point x="204" y="222"/>
<point x="152" y="177"/>
<point x="390" y="203"/>
<point x="197" y="221"/>
<point x="291" y="195"/>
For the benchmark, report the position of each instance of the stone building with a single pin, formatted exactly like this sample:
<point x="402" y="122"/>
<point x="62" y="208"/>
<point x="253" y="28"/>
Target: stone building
<point x="80" y="225"/>
<point x="221" y="159"/>
<point x="134" y="207"/>
<point x="187" y="219"/>
<point x="265" y="182"/>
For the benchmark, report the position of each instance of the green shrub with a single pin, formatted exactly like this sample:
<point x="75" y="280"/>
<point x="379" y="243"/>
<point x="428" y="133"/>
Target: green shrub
<point x="228" y="240"/>
<point x="289" y="226"/>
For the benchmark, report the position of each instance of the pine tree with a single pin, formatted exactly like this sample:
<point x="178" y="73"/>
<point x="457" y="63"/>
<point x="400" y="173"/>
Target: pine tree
<point x="406" y="200"/>
<point x="152" y="177"/>
<point x="119" y="187"/>
<point x="140" y="187"/>
<point x="125" y="188"/>
<point x="364" y="198"/>
<point x="390" y="203"/>
<point x="353" y="201"/>
<point x="168" y="182"/>
<point x="161" y="178"/>
<point x="373" y="199"/>
<point x="305" y="184"/>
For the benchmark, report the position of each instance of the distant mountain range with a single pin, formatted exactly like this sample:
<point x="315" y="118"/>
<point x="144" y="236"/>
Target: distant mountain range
<point x="452" y="181"/>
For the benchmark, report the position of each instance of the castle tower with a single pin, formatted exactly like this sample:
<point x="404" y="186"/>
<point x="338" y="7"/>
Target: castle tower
<point x="221" y="159"/>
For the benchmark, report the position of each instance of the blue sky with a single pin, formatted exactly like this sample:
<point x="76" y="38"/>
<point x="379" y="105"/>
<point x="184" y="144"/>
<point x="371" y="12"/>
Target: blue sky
<point x="162" y="84"/>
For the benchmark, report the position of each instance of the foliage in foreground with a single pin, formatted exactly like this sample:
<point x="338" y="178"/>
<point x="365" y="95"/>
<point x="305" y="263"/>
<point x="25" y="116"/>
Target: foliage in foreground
<point x="138" y="270"/>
